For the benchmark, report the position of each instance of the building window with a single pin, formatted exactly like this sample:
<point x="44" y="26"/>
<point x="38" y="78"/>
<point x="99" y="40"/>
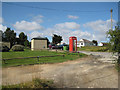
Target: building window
<point x="81" y="43"/>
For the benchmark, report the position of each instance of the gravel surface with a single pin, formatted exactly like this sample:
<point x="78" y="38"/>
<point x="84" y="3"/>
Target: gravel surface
<point x="103" y="56"/>
<point x="88" y="72"/>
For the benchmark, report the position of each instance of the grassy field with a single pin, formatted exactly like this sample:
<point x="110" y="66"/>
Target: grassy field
<point x="35" y="83"/>
<point x="29" y="53"/>
<point x="94" y="48"/>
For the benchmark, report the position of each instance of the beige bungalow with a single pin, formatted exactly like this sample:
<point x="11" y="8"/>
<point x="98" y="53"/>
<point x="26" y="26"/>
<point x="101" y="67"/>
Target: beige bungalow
<point x="38" y="43"/>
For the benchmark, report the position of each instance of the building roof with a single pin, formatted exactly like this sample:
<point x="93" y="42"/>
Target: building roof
<point x="104" y="44"/>
<point x="85" y="40"/>
<point x="39" y="38"/>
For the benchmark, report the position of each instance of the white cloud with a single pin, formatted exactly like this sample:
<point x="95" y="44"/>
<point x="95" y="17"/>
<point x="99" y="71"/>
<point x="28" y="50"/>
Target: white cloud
<point x="35" y="34"/>
<point x="27" y="26"/>
<point x="38" y="19"/>
<point x="66" y="31"/>
<point x="99" y="28"/>
<point x="100" y="25"/>
<point x="3" y="28"/>
<point x="73" y="17"/>
<point x="67" y="25"/>
<point x="1" y="20"/>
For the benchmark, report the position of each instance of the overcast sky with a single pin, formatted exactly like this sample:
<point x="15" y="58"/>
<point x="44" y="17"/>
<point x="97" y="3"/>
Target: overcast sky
<point x="88" y="20"/>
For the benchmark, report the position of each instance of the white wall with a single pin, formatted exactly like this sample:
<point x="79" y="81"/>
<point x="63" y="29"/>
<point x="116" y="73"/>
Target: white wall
<point x="84" y="43"/>
<point x="100" y="44"/>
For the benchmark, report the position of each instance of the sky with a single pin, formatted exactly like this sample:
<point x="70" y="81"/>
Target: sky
<point x="88" y="20"/>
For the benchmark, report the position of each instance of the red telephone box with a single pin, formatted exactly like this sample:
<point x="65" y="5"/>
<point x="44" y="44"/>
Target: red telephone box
<point x="72" y="44"/>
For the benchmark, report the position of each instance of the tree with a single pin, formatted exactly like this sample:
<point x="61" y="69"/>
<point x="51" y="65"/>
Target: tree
<point x="56" y="39"/>
<point x="48" y="42"/>
<point x="22" y="38"/>
<point x="2" y="38"/>
<point x="114" y="36"/>
<point x="10" y="36"/>
<point x="95" y="42"/>
<point x="26" y="43"/>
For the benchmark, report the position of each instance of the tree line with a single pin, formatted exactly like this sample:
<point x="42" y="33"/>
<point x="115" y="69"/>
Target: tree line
<point x="10" y="36"/>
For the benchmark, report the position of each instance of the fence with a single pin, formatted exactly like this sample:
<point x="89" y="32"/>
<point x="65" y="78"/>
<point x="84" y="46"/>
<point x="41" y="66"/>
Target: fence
<point x="31" y="57"/>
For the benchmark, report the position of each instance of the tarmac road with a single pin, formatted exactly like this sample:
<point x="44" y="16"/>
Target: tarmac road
<point x="88" y="72"/>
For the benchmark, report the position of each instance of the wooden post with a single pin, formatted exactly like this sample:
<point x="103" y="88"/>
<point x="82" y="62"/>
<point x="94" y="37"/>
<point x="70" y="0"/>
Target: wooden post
<point x="38" y="58"/>
<point x="78" y="54"/>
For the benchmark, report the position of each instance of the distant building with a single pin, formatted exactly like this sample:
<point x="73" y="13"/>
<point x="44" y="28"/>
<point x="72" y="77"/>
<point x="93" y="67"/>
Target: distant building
<point x="84" y="42"/>
<point x="103" y="44"/>
<point x="38" y="43"/>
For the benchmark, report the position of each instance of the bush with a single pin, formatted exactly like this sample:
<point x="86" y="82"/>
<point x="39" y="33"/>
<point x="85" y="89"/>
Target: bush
<point x="4" y="48"/>
<point x="17" y="48"/>
<point x="27" y="48"/>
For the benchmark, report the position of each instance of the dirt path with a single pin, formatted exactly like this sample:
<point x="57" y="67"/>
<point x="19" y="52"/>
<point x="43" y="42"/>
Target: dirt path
<point x="86" y="72"/>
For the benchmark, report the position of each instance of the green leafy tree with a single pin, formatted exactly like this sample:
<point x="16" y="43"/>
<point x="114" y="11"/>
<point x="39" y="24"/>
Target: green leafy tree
<point x="56" y="39"/>
<point x="10" y="36"/>
<point x="48" y="42"/>
<point x="114" y="36"/>
<point x="22" y="38"/>
<point x="26" y="43"/>
<point x="2" y="38"/>
<point x="95" y="42"/>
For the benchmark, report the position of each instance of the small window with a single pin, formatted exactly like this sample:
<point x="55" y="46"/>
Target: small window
<point x="81" y="43"/>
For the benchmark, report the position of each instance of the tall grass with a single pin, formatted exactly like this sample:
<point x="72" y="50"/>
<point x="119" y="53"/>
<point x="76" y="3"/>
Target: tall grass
<point x="35" y="83"/>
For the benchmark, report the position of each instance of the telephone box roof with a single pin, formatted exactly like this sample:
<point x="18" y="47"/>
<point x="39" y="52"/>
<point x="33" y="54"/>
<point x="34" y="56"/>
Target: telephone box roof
<point x="72" y="37"/>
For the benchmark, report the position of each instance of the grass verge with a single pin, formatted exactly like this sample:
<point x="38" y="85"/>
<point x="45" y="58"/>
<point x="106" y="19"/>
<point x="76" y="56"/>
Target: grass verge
<point x="29" y="53"/>
<point x="35" y="83"/>
<point x="94" y="48"/>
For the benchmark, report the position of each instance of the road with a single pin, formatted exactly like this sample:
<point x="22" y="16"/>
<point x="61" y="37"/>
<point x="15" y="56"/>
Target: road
<point x="103" y="56"/>
<point x="87" y="72"/>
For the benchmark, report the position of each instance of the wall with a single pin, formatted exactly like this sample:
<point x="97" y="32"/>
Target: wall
<point x="38" y="44"/>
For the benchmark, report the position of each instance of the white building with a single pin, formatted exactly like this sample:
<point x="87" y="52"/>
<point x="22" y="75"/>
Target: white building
<point x="84" y="42"/>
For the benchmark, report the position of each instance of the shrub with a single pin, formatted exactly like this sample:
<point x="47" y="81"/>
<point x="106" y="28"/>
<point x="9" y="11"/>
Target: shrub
<point x="4" y="48"/>
<point x="17" y="48"/>
<point x="27" y="48"/>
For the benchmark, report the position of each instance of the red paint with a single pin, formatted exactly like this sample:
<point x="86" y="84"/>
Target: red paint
<point x="71" y="43"/>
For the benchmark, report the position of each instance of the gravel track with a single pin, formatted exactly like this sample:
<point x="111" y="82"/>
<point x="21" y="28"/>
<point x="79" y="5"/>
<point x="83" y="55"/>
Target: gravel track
<point x="87" y="72"/>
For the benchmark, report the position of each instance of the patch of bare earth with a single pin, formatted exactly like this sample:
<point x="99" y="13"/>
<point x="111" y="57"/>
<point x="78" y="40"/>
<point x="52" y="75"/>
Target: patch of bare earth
<point x="86" y="72"/>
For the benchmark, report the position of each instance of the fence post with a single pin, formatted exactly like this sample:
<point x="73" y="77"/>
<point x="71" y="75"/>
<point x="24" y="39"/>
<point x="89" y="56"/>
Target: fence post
<point x="38" y="58"/>
<point x="78" y="54"/>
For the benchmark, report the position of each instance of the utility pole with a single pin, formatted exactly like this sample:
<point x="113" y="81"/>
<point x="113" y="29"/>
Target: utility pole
<point x="111" y="19"/>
